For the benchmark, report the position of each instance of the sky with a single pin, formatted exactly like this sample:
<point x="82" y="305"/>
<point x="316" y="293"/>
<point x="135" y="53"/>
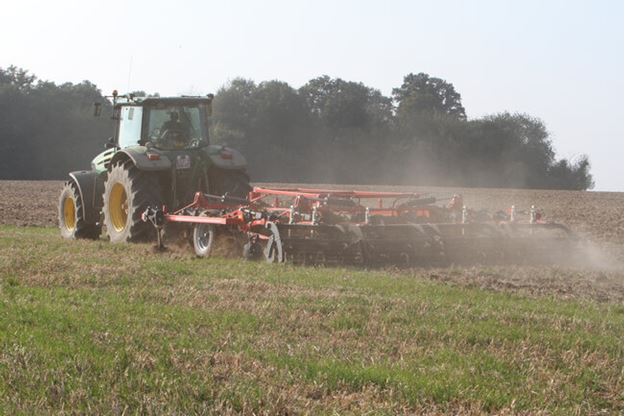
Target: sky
<point x="560" y="61"/>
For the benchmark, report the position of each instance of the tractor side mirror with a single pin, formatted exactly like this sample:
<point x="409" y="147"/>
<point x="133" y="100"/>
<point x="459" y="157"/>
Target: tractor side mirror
<point x="110" y="143"/>
<point x="97" y="109"/>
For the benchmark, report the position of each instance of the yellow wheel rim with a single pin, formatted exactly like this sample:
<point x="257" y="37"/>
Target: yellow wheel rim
<point x="118" y="207"/>
<point x="69" y="213"/>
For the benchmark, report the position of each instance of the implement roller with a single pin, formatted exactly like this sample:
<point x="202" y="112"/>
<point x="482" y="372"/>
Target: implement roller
<point x="319" y="226"/>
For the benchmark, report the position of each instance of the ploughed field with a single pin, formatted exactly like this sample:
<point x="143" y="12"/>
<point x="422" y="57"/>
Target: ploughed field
<point x="92" y="327"/>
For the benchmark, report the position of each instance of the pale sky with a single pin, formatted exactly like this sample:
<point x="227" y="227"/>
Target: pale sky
<point x="561" y="61"/>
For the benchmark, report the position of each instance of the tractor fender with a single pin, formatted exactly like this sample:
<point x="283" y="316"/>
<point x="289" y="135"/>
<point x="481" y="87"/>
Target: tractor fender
<point x="91" y="187"/>
<point x="139" y="157"/>
<point x="225" y="157"/>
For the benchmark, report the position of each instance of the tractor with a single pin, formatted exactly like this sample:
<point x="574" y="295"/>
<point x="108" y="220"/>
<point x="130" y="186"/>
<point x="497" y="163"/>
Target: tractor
<point x="160" y="155"/>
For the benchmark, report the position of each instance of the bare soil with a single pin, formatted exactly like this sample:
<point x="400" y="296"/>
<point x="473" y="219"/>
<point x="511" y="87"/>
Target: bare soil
<point x="29" y="202"/>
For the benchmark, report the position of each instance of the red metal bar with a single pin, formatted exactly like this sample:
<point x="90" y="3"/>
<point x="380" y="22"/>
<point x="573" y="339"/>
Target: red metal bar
<point x="194" y="219"/>
<point x="319" y="193"/>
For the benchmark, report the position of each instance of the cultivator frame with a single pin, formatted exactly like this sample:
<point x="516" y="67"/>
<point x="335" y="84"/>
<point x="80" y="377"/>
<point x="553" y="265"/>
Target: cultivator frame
<point x="320" y="226"/>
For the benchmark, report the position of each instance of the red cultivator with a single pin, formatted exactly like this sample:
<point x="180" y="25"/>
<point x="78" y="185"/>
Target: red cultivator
<point x="317" y="226"/>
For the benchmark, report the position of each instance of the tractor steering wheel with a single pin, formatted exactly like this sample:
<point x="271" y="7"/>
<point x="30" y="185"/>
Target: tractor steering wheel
<point x="173" y="138"/>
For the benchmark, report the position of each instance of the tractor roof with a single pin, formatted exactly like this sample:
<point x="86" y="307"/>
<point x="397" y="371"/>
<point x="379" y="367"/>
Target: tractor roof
<point x="177" y="100"/>
<point x="184" y="100"/>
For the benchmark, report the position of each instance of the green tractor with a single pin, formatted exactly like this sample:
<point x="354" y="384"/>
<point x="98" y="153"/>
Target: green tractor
<point x="160" y="155"/>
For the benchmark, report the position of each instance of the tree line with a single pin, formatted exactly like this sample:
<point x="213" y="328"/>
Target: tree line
<point x="327" y="131"/>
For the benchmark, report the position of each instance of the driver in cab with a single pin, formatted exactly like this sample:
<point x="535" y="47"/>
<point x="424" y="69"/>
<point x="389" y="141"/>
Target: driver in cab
<point x="175" y="131"/>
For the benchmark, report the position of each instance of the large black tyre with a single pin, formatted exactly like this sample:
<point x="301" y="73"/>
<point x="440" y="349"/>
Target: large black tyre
<point x="128" y="191"/>
<point x="71" y="217"/>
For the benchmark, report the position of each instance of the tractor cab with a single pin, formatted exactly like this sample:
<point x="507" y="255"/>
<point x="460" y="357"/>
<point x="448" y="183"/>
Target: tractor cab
<point x="163" y="123"/>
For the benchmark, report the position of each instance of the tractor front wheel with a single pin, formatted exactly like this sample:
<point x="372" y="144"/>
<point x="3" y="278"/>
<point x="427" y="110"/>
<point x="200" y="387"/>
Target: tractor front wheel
<point x="127" y="193"/>
<point x="71" y="216"/>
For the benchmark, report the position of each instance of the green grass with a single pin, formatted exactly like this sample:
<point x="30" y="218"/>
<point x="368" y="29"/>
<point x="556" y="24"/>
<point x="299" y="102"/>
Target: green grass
<point x="98" y="328"/>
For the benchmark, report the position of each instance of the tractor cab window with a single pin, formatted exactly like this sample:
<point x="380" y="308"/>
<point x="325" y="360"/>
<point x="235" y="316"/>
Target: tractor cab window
<point x="177" y="126"/>
<point x="129" y="126"/>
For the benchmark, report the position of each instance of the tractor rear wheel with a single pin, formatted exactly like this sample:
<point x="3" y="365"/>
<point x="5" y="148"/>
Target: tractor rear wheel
<point x="127" y="193"/>
<point x="71" y="216"/>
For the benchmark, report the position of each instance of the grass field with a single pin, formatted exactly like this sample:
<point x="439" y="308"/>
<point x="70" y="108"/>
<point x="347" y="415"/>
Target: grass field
<point x="90" y="327"/>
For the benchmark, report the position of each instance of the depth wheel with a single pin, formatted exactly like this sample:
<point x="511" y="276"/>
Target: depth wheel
<point x="203" y="239"/>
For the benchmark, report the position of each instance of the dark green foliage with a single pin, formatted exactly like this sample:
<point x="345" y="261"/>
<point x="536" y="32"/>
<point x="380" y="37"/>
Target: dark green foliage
<point x="342" y="104"/>
<point x="571" y="175"/>
<point x="336" y="131"/>
<point x="141" y="93"/>
<point x="268" y="122"/>
<point x="328" y="131"/>
<point x="424" y="94"/>
<point x="46" y="129"/>
<point x="515" y="146"/>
